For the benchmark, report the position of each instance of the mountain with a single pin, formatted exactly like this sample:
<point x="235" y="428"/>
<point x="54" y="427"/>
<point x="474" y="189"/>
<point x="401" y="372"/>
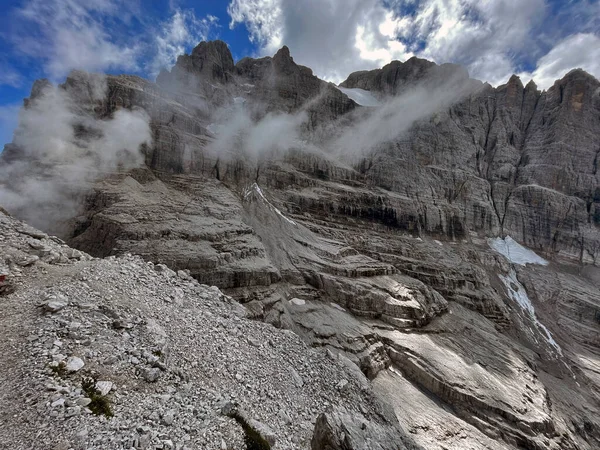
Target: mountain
<point x="440" y="233"/>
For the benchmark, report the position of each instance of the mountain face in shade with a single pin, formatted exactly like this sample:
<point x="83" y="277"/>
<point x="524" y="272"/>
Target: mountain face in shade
<point x="371" y="231"/>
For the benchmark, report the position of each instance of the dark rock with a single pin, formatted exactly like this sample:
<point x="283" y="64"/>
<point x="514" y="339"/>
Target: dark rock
<point x="338" y="429"/>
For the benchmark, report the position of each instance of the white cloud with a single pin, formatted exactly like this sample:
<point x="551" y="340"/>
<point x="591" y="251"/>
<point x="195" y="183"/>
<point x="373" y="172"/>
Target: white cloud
<point x="57" y="163"/>
<point x="492" y="38"/>
<point x="332" y="37"/>
<point x="484" y="36"/>
<point x="71" y="34"/>
<point x="181" y="31"/>
<point x="10" y="77"/>
<point x="577" y="51"/>
<point x="9" y="117"/>
<point x="264" y="19"/>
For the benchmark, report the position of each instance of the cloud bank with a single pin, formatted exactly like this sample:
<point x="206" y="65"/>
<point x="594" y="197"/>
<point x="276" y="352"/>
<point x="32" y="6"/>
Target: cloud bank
<point x="581" y="50"/>
<point x="63" y="150"/>
<point x="96" y="36"/>
<point x="70" y="34"/>
<point x="493" y="39"/>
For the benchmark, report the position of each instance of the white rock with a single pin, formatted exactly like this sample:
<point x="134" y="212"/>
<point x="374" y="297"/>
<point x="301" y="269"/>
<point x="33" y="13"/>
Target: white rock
<point x="84" y="401"/>
<point x="54" y="306"/>
<point x="104" y="387"/>
<point x="58" y="403"/>
<point x="74" y="364"/>
<point x="342" y="384"/>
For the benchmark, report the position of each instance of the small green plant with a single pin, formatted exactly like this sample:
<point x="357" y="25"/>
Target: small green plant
<point x="59" y="369"/>
<point x="100" y="404"/>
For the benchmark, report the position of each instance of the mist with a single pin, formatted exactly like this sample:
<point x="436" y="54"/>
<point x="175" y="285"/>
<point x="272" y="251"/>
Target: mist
<point x="238" y="133"/>
<point x="397" y="115"/>
<point x="242" y="131"/>
<point x="60" y="149"/>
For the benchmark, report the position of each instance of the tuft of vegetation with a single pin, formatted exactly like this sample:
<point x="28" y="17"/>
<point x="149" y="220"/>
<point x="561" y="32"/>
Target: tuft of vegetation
<point x="100" y="404"/>
<point x="59" y="369"/>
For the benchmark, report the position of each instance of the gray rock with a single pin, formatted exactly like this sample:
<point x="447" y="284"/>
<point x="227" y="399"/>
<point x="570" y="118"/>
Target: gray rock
<point x="58" y="403"/>
<point x="264" y="431"/>
<point x="151" y="374"/>
<point x="338" y="429"/>
<point x="168" y="417"/>
<point x="296" y="377"/>
<point x="83" y="401"/>
<point x="54" y="306"/>
<point x="74" y="364"/>
<point x="104" y="387"/>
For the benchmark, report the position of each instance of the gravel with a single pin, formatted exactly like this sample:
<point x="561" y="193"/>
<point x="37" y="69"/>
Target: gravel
<point x="128" y="354"/>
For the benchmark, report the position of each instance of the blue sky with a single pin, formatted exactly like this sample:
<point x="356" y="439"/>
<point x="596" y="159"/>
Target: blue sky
<point x="539" y="39"/>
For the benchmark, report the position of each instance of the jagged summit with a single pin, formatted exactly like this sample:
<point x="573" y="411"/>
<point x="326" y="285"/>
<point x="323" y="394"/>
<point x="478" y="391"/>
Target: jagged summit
<point x="210" y="59"/>
<point x="396" y="76"/>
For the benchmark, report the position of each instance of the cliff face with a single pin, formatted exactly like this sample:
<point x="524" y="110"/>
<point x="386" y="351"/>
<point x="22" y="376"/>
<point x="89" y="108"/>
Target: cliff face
<point x="516" y="160"/>
<point x="383" y="253"/>
<point x="511" y="160"/>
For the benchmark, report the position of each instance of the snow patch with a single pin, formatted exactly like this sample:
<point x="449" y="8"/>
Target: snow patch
<point x="517" y="292"/>
<point x="255" y="187"/>
<point x="239" y="100"/>
<point x="515" y="252"/>
<point x="336" y="306"/>
<point x="360" y="96"/>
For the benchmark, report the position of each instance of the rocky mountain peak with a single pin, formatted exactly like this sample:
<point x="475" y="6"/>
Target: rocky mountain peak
<point x="215" y="54"/>
<point x="531" y="86"/>
<point x="283" y="63"/>
<point x="209" y="60"/>
<point x="580" y="74"/>
<point x="398" y="76"/>
<point x="515" y="80"/>
<point x="283" y="54"/>
<point x="38" y="88"/>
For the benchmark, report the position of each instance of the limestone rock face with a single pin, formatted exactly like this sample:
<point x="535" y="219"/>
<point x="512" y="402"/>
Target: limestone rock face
<point x="337" y="430"/>
<point x="514" y="160"/>
<point x="397" y="77"/>
<point x="282" y="85"/>
<point x="129" y="329"/>
<point x="382" y="260"/>
<point x="208" y="60"/>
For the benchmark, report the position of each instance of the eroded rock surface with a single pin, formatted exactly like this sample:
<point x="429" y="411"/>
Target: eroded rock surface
<point x="138" y="356"/>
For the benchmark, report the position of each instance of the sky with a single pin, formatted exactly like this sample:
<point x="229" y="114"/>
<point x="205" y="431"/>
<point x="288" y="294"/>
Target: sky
<point x="536" y="39"/>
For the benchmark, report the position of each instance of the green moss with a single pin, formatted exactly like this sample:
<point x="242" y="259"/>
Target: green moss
<point x="100" y="404"/>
